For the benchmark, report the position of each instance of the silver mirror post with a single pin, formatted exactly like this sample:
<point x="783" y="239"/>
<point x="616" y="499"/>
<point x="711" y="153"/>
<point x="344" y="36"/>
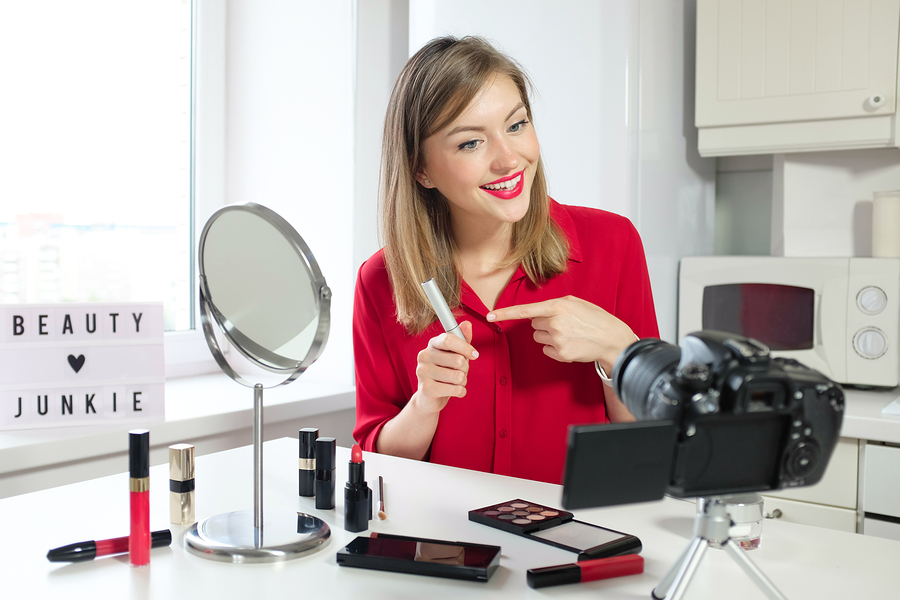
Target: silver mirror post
<point x="258" y="458"/>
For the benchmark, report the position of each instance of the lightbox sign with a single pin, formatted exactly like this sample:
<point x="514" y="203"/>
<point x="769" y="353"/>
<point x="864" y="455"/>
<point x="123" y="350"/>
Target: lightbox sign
<point x="81" y="364"/>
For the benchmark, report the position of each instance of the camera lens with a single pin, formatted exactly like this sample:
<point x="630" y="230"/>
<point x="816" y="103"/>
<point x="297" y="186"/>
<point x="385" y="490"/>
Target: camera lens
<point x="637" y="370"/>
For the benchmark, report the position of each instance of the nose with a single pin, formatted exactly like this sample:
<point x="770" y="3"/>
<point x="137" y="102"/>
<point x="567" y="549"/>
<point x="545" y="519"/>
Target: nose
<point x="506" y="158"/>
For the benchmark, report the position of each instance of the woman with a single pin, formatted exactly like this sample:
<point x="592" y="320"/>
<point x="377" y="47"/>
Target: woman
<point x="541" y="290"/>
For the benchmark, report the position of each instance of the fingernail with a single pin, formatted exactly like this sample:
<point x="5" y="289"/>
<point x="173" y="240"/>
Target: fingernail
<point x="474" y="353"/>
<point x="491" y="316"/>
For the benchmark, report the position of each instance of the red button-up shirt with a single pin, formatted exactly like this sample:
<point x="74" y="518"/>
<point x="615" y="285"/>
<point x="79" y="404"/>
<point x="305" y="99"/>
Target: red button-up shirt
<point x="519" y="402"/>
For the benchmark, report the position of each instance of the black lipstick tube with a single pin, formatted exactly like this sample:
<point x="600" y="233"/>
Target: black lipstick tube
<point x="307" y="469"/>
<point x="357" y="501"/>
<point x="326" y="457"/>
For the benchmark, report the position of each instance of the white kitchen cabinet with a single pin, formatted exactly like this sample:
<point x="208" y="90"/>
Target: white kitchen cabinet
<point x="830" y="503"/>
<point x="778" y="76"/>
<point x="879" y="490"/>
<point x="807" y="513"/>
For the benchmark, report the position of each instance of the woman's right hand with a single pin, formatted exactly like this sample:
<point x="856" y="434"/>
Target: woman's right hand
<point x="442" y="369"/>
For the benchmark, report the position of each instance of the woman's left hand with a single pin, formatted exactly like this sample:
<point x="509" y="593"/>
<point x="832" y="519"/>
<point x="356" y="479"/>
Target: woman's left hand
<point x="572" y="329"/>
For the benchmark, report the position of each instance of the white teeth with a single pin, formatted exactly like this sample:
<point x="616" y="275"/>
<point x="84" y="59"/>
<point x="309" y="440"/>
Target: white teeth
<point x="506" y="185"/>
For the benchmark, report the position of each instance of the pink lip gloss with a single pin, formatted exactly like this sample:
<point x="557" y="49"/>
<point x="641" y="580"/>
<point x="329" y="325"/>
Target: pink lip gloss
<point x="139" y="485"/>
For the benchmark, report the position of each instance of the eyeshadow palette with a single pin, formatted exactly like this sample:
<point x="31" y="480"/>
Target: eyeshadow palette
<point x="557" y="528"/>
<point x="520" y="516"/>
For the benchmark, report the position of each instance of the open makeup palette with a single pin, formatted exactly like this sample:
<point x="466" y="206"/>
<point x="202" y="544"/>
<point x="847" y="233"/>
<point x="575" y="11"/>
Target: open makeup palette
<point x="557" y="528"/>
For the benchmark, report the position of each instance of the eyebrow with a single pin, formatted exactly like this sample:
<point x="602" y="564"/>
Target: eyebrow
<point x="462" y="128"/>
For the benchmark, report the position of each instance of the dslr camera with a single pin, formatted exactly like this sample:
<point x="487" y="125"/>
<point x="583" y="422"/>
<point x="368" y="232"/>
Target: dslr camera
<point x="716" y="416"/>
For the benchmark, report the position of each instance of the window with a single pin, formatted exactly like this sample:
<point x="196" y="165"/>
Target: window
<point x="95" y="154"/>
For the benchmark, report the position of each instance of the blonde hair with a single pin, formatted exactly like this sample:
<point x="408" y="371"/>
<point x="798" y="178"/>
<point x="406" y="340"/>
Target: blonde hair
<point x="433" y="89"/>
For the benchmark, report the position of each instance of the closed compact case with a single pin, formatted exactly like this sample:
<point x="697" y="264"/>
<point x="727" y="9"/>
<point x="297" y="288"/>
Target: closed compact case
<point x="557" y="528"/>
<point x="421" y="556"/>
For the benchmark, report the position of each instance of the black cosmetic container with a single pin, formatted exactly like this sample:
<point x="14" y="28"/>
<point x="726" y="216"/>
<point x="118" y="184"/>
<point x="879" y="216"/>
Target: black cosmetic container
<point x="307" y="470"/>
<point x="326" y="456"/>
<point x="357" y="495"/>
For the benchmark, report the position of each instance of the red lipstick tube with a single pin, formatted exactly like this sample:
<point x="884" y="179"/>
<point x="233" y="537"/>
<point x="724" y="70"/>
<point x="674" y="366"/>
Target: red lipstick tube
<point x="586" y="570"/>
<point x="139" y="486"/>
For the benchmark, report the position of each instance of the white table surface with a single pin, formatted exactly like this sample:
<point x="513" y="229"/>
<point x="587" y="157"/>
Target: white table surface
<point x="421" y="500"/>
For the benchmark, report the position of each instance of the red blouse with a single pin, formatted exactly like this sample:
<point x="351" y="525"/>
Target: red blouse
<point x="519" y="402"/>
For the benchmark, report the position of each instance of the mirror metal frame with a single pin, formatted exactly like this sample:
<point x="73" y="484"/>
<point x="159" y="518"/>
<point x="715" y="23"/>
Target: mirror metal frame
<point x="255" y="353"/>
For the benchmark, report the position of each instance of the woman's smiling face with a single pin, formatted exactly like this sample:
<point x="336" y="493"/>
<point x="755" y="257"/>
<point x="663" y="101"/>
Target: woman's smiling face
<point x="484" y="161"/>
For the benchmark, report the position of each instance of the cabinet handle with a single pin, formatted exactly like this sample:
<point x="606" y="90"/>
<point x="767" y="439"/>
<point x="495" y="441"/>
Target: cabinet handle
<point x="775" y="514"/>
<point x="876" y="101"/>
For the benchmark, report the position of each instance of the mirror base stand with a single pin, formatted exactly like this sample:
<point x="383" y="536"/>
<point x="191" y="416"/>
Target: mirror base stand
<point x="233" y="537"/>
<point x="249" y="537"/>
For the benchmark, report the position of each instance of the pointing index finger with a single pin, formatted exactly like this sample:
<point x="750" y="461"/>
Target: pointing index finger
<point x="522" y="311"/>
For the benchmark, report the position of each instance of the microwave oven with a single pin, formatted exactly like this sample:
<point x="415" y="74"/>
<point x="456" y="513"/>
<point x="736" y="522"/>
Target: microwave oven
<point x="839" y="316"/>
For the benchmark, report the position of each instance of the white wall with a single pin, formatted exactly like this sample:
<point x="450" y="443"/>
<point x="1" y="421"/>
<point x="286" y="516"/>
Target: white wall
<point x="823" y="203"/>
<point x="613" y="112"/>
<point x="613" y="109"/>
<point x="289" y="137"/>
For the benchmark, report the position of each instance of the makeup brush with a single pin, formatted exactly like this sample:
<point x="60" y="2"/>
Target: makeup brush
<point x="381" y="514"/>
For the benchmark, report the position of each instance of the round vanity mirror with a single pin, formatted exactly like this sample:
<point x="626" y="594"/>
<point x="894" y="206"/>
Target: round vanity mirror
<point x="261" y="288"/>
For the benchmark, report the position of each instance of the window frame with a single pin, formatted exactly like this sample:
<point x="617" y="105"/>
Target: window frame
<point x="187" y="353"/>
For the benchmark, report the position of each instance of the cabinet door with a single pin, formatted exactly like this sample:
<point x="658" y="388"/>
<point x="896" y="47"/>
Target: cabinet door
<point x="775" y="61"/>
<point x="881" y="483"/>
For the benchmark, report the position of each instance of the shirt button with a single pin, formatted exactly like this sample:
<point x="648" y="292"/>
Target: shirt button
<point x="499" y="329"/>
<point x="503" y="381"/>
<point x="503" y="433"/>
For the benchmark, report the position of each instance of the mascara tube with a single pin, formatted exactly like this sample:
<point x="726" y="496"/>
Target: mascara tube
<point x="442" y="309"/>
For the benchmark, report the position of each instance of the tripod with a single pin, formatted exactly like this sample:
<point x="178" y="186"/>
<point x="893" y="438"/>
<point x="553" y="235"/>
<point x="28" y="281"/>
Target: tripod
<point x="710" y="526"/>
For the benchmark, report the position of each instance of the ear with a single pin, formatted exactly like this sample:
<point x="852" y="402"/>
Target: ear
<point x="423" y="180"/>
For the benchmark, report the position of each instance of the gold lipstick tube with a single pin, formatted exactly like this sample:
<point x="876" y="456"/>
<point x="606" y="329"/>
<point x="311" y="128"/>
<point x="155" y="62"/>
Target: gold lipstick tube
<point x="181" y="484"/>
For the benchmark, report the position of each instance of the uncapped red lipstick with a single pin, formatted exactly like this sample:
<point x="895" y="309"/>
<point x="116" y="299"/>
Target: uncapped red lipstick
<point x="139" y="486"/>
<point x="84" y="551"/>
<point x="586" y="570"/>
<point x="357" y="499"/>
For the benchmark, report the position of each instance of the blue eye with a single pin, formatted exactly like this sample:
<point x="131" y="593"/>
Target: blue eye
<point x="470" y="145"/>
<point x="516" y="127"/>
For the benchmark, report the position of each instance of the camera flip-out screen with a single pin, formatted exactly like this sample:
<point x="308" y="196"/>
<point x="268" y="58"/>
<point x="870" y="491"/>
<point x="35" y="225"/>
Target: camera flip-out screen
<point x="618" y="463"/>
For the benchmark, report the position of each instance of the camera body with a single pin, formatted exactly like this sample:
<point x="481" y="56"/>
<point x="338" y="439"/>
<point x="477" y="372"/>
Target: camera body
<point x="745" y="421"/>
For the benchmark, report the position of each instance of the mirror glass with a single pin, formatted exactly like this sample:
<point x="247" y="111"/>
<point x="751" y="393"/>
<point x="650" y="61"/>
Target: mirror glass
<point x="262" y="286"/>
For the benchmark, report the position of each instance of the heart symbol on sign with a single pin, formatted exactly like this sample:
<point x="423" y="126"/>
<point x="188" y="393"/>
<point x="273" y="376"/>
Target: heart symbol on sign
<point x="76" y="363"/>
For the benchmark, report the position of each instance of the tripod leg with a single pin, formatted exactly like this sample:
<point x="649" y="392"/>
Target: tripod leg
<point x="734" y="549"/>
<point x="683" y="571"/>
<point x="660" y="591"/>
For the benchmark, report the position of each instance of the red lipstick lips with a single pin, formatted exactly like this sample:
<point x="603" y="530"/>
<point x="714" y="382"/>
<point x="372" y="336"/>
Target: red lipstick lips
<point x="510" y="193"/>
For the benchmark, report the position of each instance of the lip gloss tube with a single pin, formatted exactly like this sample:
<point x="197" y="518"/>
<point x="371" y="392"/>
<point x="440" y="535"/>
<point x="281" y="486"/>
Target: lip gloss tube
<point x="83" y="551"/>
<point x="586" y="570"/>
<point x="326" y="456"/>
<point x="139" y="486"/>
<point x="308" y="461"/>
<point x="181" y="484"/>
